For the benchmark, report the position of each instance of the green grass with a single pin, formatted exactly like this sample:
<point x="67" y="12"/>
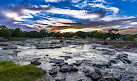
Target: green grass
<point x="9" y="71"/>
<point x="118" y="45"/>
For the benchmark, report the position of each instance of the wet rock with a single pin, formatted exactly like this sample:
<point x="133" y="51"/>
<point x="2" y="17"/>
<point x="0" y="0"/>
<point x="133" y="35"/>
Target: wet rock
<point x="107" y="79"/>
<point x="107" y="64"/>
<point x="48" y="46"/>
<point x="124" y="58"/>
<point x="53" y="71"/>
<point x="113" y="61"/>
<point x="68" y="68"/>
<point x="78" y="63"/>
<point x="98" y="65"/>
<point x="66" y="57"/>
<point x="98" y="71"/>
<point x="5" y="43"/>
<point x="35" y="61"/>
<point x="9" y="47"/>
<point x="47" y="55"/>
<point x="56" y="61"/>
<point x="80" y="80"/>
<point x="94" y="76"/>
<point x="73" y="68"/>
<point x="108" y="52"/>
<point x="126" y="61"/>
<point x="121" y="56"/>
<point x="65" y="68"/>
<point x="87" y="72"/>
<point x="135" y="64"/>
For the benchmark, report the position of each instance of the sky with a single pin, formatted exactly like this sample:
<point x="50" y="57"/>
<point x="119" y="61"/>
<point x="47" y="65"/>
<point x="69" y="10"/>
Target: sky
<point x="69" y="15"/>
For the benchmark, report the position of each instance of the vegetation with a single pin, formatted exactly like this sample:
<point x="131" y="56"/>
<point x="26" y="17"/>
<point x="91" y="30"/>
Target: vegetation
<point x="118" y="45"/>
<point x="130" y="37"/>
<point x="9" y="71"/>
<point x="111" y="35"/>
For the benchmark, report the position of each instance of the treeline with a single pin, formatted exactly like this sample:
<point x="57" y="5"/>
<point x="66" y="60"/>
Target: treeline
<point x="110" y="35"/>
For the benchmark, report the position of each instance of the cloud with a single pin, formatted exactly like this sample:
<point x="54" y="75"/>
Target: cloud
<point x="114" y="9"/>
<point x="80" y="14"/>
<point x="52" y="0"/>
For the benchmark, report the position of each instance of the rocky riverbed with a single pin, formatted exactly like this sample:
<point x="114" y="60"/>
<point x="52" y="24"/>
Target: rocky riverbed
<point x="73" y="60"/>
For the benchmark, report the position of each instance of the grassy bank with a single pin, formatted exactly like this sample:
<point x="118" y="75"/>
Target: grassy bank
<point x="10" y="71"/>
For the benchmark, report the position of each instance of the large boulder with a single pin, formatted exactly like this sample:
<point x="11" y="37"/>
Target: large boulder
<point x="65" y="68"/>
<point x="35" y="61"/>
<point x="53" y="71"/>
<point x="56" y="61"/>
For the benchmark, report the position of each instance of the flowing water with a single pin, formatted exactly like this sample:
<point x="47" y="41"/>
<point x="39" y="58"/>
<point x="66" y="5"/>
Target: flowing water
<point x="78" y="53"/>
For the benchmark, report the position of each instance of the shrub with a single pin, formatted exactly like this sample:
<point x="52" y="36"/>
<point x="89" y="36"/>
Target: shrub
<point x="9" y="71"/>
<point x="118" y="45"/>
<point x="130" y="37"/>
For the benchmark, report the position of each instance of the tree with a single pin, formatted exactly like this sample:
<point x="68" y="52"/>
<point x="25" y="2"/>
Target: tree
<point x="113" y="31"/>
<point x="130" y="37"/>
<point x="17" y="32"/>
<point x="4" y="31"/>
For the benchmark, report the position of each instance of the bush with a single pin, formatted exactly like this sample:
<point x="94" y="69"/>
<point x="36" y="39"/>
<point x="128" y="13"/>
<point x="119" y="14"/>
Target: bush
<point x="9" y="71"/>
<point x="118" y="45"/>
<point x="130" y="37"/>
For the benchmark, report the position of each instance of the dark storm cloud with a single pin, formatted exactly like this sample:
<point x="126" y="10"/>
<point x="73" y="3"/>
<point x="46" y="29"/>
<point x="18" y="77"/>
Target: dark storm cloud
<point x="101" y="23"/>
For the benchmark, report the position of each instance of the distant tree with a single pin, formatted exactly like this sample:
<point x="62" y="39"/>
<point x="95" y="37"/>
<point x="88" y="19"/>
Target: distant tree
<point x="3" y="27"/>
<point x="113" y="31"/>
<point x="130" y="37"/>
<point x="81" y="34"/>
<point x="4" y="31"/>
<point x="17" y="32"/>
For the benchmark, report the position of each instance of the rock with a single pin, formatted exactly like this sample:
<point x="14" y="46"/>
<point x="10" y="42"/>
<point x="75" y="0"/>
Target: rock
<point x="86" y="71"/>
<point x="5" y="43"/>
<point x="98" y="71"/>
<point x="135" y="64"/>
<point x="94" y="76"/>
<point x="108" y="52"/>
<point x="121" y="56"/>
<point x="66" y="57"/>
<point x="126" y="61"/>
<point x="107" y="79"/>
<point x="124" y="58"/>
<point x="53" y="71"/>
<point x="47" y="55"/>
<point x="57" y="61"/>
<point x="98" y="65"/>
<point x="113" y="61"/>
<point x="107" y="64"/>
<point x="65" y="68"/>
<point x="59" y="79"/>
<point x="9" y="47"/>
<point x="81" y="80"/>
<point x="35" y="61"/>
<point x="68" y="68"/>
<point x="73" y="68"/>
<point x="78" y="63"/>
